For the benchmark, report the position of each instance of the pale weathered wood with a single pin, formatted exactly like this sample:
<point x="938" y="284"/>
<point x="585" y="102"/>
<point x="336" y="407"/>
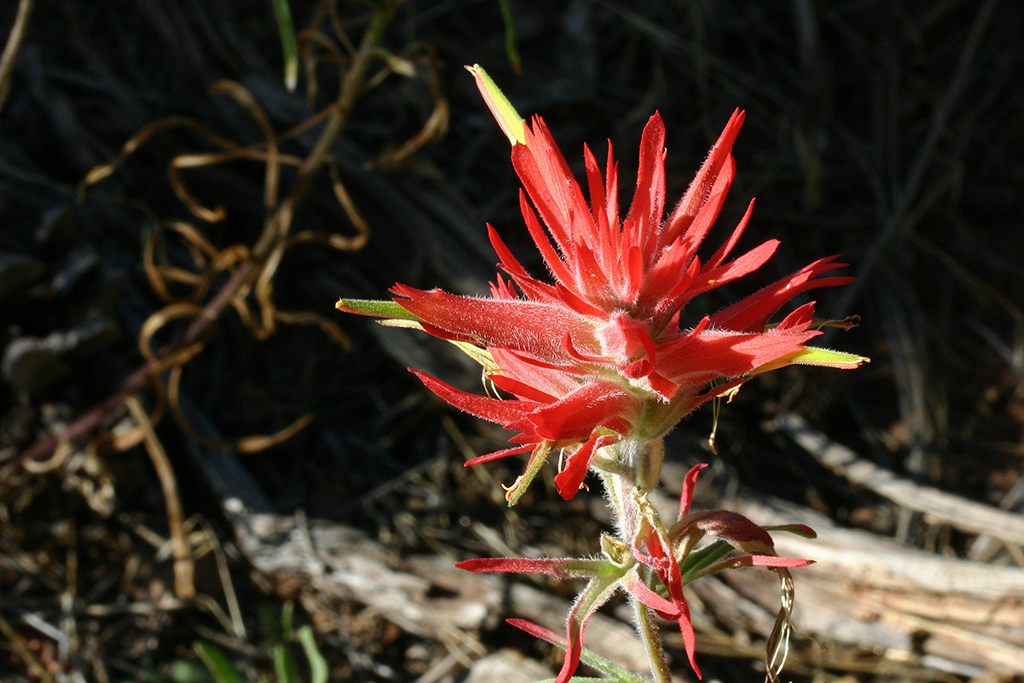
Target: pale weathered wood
<point x="942" y="507"/>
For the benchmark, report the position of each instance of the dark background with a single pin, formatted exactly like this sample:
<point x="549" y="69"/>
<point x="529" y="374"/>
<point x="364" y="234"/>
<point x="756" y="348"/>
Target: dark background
<point x="889" y="132"/>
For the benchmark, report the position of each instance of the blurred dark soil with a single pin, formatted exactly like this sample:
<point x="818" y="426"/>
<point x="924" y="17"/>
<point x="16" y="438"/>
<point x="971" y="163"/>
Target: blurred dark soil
<point x="889" y="132"/>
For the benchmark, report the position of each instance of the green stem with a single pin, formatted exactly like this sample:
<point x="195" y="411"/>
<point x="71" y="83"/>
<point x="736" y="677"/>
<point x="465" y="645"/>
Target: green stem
<point x="652" y="642"/>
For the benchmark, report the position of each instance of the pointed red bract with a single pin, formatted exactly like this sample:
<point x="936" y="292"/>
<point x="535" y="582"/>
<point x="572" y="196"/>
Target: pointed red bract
<point x="597" y="353"/>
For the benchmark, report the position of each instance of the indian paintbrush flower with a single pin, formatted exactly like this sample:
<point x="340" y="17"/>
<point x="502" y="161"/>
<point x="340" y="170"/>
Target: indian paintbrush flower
<point x="599" y="354"/>
<point x="600" y="366"/>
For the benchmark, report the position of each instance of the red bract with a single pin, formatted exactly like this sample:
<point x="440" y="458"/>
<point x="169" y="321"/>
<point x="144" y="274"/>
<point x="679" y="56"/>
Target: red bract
<point x="597" y="353"/>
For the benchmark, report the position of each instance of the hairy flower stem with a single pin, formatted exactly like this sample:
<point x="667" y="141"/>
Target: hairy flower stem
<point x="651" y="637"/>
<point x="627" y="493"/>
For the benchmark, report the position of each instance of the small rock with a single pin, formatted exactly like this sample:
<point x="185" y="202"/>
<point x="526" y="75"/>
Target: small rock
<point x="31" y="364"/>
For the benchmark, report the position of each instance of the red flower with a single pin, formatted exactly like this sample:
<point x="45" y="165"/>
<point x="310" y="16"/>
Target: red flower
<point x="598" y="353"/>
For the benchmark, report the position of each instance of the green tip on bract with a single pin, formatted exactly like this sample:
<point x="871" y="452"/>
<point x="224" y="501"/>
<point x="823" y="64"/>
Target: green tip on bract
<point x="376" y="309"/>
<point x="512" y="124"/>
<point x="811" y="355"/>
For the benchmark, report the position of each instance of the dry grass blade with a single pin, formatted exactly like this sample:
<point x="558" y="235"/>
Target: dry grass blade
<point x="145" y="134"/>
<point x="22" y="650"/>
<point x="248" y="102"/>
<point x="436" y="124"/>
<point x="13" y="47"/>
<point x="184" y="584"/>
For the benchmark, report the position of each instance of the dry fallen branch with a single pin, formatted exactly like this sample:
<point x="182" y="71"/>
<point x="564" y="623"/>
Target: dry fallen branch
<point x="941" y="507"/>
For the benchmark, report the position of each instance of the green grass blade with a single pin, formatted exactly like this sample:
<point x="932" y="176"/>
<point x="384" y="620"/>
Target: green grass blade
<point x="216" y="663"/>
<point x="289" y="45"/>
<point x="511" y="49"/>
<point x="284" y="665"/>
<point x="317" y="663"/>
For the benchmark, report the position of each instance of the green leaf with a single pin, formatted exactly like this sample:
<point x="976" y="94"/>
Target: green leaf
<point x="216" y="663"/>
<point x="287" y="618"/>
<point x="317" y="663"/>
<point x="289" y="46"/>
<point x="699" y="560"/>
<point x="537" y="460"/>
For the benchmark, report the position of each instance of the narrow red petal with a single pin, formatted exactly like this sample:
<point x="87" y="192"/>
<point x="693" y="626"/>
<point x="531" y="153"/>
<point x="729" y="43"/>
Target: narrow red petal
<point x="754" y="311"/>
<point x="535" y="289"/>
<point x="665" y="608"/>
<point x="748" y="263"/>
<point x="703" y="184"/>
<point x="649" y="199"/>
<point x="726" y="248"/>
<point x="521" y="390"/>
<point x="494" y="410"/>
<point x="689" y="640"/>
<point x="569" y="480"/>
<point x="688" y="485"/>
<point x="498" y="454"/>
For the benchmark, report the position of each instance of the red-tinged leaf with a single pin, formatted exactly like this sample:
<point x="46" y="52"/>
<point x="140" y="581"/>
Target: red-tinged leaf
<point x="798" y="529"/>
<point x="498" y="455"/>
<point x="733" y="528"/>
<point x="593" y="596"/>
<point x="770" y="561"/>
<point x="776" y="561"/>
<point x="568" y="568"/>
<point x="537" y="631"/>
